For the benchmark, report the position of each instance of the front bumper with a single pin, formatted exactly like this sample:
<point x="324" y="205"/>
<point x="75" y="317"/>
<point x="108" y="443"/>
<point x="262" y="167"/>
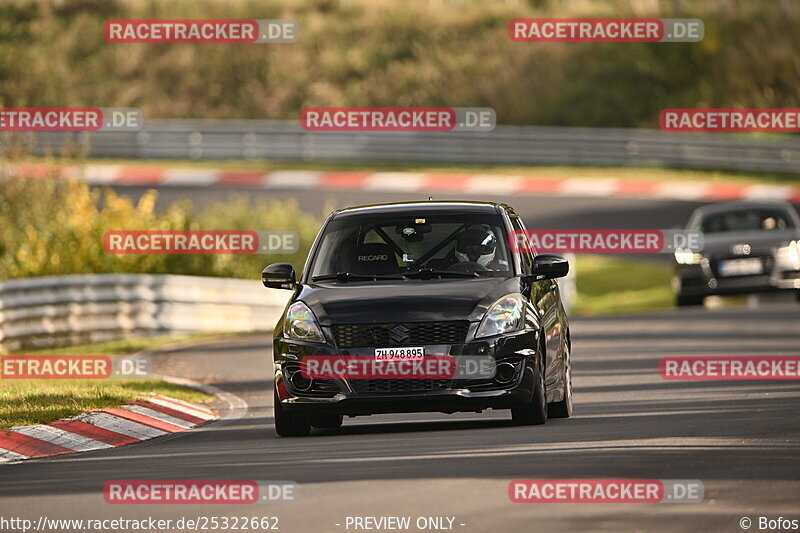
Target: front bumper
<point x="704" y="280"/>
<point x="343" y="396"/>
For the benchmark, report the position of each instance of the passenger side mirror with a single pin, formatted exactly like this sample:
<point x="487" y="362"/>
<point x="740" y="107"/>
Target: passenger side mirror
<point x="278" y="276"/>
<point x="549" y="266"/>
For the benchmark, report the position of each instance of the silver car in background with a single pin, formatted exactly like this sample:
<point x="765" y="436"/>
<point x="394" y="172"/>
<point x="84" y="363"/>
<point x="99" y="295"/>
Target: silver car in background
<point x="747" y="247"/>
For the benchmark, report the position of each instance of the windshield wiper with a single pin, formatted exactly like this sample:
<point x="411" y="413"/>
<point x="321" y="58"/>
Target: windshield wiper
<point x="429" y="273"/>
<point x="349" y="276"/>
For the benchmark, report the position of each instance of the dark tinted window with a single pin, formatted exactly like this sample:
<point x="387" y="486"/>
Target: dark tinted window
<point x="527" y="258"/>
<point x="395" y="244"/>
<point x="746" y="220"/>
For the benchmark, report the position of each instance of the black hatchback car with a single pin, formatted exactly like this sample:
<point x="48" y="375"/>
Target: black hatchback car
<point x="421" y="280"/>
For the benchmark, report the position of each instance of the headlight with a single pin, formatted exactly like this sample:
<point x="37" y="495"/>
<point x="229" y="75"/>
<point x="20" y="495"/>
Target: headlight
<point x="505" y="315"/>
<point x="301" y="325"/>
<point x="687" y="257"/>
<point x="789" y="253"/>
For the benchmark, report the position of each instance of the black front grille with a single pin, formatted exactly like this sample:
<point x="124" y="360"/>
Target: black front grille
<point x="398" y="385"/>
<point x="400" y="334"/>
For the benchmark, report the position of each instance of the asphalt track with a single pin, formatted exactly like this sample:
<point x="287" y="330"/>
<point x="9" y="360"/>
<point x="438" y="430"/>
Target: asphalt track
<point x="544" y="212"/>
<point x="741" y="439"/>
<point x="541" y="212"/>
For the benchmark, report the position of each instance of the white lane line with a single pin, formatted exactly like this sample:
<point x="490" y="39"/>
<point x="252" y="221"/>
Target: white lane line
<point x="193" y="406"/>
<point x="158" y="415"/>
<point x="8" y="456"/>
<point x="62" y="438"/>
<point x="182" y="408"/>
<point x="237" y="407"/>
<point x="188" y="405"/>
<point x="292" y="179"/>
<point x="190" y="176"/>
<point x="120" y="425"/>
<point x="659" y="443"/>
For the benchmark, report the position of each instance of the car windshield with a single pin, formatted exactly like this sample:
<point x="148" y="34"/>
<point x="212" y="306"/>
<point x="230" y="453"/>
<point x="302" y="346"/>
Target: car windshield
<point x="746" y="220"/>
<point x="421" y="246"/>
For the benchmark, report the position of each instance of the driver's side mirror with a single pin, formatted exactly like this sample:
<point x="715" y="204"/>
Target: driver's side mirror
<point x="549" y="266"/>
<point x="278" y="276"/>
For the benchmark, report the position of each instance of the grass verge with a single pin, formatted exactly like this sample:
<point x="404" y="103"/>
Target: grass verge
<point x="39" y="401"/>
<point x="609" y="286"/>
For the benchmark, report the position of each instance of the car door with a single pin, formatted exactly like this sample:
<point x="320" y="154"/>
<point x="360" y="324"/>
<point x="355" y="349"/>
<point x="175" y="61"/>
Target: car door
<point x="545" y="297"/>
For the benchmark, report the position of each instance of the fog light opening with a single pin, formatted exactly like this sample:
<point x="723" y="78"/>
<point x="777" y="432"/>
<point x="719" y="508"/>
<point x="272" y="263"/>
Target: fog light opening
<point x="505" y="372"/>
<point x="299" y="381"/>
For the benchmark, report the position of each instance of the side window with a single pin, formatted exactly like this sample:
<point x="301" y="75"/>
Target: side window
<point x="526" y="257"/>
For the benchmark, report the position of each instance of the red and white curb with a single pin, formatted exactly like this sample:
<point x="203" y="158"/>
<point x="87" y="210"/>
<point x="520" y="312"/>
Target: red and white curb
<point x="147" y="418"/>
<point x="427" y="183"/>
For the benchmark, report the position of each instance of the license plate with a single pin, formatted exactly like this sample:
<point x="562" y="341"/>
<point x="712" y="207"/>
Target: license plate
<point x="399" y="354"/>
<point x="741" y="267"/>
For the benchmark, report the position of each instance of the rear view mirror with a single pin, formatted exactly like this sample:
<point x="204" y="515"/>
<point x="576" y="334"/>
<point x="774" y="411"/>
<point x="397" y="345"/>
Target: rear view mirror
<point x="278" y="276"/>
<point x="549" y="266"/>
<point x="413" y="232"/>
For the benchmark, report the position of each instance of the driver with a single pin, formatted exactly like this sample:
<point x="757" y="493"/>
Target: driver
<point x="476" y="245"/>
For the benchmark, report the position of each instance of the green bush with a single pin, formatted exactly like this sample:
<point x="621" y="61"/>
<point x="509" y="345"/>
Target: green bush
<point x="51" y="226"/>
<point x="391" y="53"/>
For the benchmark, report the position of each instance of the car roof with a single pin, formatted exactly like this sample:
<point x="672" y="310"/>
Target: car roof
<point x="430" y="207"/>
<point x="742" y="205"/>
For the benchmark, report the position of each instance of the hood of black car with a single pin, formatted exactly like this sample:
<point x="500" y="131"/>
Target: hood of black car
<point x="404" y="300"/>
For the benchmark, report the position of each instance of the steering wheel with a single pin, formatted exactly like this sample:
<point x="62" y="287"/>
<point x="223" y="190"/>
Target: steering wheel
<point x="469" y="266"/>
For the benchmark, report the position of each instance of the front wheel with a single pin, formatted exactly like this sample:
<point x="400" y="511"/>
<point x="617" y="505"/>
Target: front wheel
<point x="534" y="412"/>
<point x="563" y="409"/>
<point x="288" y="424"/>
<point x="326" y="421"/>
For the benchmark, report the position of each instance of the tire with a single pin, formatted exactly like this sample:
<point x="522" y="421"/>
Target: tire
<point x="563" y="408"/>
<point x="686" y="301"/>
<point x="326" y="421"/>
<point x="534" y="412"/>
<point x="288" y="424"/>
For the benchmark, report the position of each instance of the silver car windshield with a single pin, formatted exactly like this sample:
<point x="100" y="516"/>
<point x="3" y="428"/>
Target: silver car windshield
<point x="756" y="219"/>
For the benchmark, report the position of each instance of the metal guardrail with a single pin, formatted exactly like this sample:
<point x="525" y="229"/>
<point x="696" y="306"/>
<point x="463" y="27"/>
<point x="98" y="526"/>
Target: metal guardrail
<point x="523" y="145"/>
<point x="57" y="310"/>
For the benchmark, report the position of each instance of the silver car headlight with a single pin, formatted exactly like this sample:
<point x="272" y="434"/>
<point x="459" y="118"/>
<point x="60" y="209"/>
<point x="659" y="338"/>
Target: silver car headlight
<point x="789" y="254"/>
<point x="300" y="324"/>
<point x="505" y="315"/>
<point x="687" y="257"/>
